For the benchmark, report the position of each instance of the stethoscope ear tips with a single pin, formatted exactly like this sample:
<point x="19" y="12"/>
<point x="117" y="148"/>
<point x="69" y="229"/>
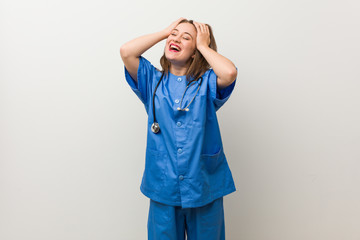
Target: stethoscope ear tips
<point x="185" y="109"/>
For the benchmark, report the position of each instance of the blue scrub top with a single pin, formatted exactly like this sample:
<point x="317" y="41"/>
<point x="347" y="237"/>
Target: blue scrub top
<point x="185" y="162"/>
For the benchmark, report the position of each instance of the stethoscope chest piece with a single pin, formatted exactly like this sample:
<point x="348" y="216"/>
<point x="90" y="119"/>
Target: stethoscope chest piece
<point x="155" y="128"/>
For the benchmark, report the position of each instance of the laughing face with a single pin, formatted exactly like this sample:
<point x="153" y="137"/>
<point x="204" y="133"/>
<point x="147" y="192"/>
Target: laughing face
<point x="181" y="44"/>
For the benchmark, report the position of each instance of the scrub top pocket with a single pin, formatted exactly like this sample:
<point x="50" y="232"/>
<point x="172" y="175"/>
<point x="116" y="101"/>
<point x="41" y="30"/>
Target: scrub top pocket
<point x="153" y="178"/>
<point x="212" y="161"/>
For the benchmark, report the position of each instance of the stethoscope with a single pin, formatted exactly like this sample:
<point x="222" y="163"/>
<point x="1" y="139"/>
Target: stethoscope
<point x="155" y="128"/>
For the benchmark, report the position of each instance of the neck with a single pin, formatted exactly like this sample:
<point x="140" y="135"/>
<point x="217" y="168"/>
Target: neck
<point x="178" y="70"/>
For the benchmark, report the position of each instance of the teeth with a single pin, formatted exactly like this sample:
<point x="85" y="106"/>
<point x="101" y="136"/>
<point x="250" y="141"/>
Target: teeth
<point x="174" y="47"/>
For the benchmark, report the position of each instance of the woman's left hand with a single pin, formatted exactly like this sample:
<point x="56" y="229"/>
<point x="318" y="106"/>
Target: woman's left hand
<point x="203" y="35"/>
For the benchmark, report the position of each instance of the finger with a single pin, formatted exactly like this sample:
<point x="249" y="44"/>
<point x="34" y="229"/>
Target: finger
<point x="177" y="22"/>
<point x="180" y="19"/>
<point x="207" y="28"/>
<point x="197" y="26"/>
<point x="202" y="26"/>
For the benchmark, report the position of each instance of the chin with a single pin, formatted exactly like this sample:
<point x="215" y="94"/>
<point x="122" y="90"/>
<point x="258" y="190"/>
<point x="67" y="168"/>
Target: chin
<point x="169" y="56"/>
<point x="175" y="60"/>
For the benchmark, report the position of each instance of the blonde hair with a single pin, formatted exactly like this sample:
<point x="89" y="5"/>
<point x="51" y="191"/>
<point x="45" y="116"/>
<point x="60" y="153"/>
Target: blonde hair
<point x="198" y="65"/>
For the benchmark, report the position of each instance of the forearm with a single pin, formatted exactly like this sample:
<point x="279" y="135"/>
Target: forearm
<point x="223" y="67"/>
<point x="137" y="46"/>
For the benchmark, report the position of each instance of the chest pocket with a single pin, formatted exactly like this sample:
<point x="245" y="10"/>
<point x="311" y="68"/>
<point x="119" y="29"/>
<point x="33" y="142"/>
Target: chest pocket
<point x="211" y="162"/>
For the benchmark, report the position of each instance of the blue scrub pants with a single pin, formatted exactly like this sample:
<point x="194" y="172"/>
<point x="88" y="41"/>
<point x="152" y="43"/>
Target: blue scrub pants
<point x="174" y="222"/>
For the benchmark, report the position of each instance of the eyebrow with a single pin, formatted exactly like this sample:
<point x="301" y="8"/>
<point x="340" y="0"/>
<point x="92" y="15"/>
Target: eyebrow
<point x="184" y="32"/>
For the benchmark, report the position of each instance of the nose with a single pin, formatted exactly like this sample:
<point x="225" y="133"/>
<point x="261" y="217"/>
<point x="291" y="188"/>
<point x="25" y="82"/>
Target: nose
<point x="177" y="38"/>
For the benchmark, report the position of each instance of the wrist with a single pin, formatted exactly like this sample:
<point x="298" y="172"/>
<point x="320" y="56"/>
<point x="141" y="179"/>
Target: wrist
<point x="164" y="34"/>
<point x="202" y="47"/>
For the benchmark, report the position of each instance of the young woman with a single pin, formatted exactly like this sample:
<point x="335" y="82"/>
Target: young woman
<point x="186" y="172"/>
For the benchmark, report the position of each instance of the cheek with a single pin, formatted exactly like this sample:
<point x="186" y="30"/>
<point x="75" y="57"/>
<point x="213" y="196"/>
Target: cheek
<point x="190" y="48"/>
<point x="168" y="39"/>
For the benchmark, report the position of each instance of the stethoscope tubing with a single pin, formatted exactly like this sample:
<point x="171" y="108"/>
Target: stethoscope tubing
<point x="155" y="128"/>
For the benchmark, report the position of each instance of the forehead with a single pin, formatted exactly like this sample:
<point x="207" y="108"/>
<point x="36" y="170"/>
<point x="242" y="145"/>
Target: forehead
<point x="186" y="27"/>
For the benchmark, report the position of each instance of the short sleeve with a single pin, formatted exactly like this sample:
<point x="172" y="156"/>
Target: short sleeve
<point x="219" y="96"/>
<point x="145" y="76"/>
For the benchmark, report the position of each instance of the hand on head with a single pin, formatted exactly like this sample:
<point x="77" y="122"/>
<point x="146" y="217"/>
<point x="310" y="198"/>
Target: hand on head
<point x="173" y="25"/>
<point x="203" y="34"/>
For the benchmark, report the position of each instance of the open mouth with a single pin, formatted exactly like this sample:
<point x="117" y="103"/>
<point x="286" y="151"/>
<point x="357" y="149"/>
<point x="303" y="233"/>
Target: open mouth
<point x="174" y="48"/>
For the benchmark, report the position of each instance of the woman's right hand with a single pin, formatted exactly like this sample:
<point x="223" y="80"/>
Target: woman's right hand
<point x="131" y="51"/>
<point x="172" y="26"/>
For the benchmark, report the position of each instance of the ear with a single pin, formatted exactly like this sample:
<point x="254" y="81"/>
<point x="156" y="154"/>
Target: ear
<point x="193" y="54"/>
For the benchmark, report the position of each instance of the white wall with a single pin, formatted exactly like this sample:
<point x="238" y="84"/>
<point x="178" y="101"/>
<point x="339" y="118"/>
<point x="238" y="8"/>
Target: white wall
<point x="73" y="134"/>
